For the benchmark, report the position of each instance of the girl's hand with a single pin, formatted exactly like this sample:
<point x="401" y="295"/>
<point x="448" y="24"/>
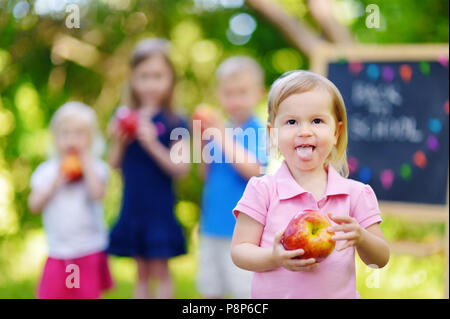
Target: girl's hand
<point x="147" y="133"/>
<point x="60" y="179"/>
<point x="85" y="157"/>
<point x="213" y="121"/>
<point x="352" y="231"/>
<point x="285" y="258"/>
<point x="209" y="118"/>
<point x="86" y="161"/>
<point x="118" y="135"/>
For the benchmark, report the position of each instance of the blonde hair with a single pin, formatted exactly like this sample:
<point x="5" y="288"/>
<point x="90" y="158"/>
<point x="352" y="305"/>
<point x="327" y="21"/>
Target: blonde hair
<point x="295" y="82"/>
<point x="144" y="50"/>
<point x="237" y="65"/>
<point x="83" y="112"/>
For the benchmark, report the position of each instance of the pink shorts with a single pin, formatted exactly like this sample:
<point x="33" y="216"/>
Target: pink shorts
<point x="78" y="278"/>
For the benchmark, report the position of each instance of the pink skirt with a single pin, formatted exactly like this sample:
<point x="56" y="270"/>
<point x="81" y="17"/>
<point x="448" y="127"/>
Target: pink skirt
<point x="79" y="278"/>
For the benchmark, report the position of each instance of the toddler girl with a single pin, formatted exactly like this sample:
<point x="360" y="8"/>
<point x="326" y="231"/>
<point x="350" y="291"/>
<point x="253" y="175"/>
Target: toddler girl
<point x="307" y="113"/>
<point x="72" y="213"/>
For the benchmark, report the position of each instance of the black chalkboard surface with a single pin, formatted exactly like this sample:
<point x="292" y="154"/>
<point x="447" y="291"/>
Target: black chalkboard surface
<point x="398" y="126"/>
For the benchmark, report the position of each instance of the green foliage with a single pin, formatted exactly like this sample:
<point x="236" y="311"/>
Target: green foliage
<point x="397" y="229"/>
<point x="406" y="22"/>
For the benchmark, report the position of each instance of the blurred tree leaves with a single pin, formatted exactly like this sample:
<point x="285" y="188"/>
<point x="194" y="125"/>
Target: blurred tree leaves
<point x="38" y="74"/>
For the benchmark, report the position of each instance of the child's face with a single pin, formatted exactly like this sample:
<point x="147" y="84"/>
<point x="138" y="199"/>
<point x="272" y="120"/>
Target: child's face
<point x="152" y="80"/>
<point x="307" y="129"/>
<point x="239" y="94"/>
<point x="72" y="135"/>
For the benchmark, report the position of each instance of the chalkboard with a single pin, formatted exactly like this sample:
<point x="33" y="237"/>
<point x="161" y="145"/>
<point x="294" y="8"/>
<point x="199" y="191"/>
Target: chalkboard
<point x="398" y="126"/>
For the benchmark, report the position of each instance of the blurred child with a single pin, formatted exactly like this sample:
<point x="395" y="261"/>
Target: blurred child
<point x="72" y="213"/>
<point x="147" y="229"/>
<point x="240" y="88"/>
<point x="308" y="112"/>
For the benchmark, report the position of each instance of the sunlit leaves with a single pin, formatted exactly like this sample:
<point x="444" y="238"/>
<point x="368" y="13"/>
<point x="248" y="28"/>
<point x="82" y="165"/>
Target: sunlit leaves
<point x="8" y="218"/>
<point x="26" y="101"/>
<point x="187" y="213"/>
<point x="286" y="59"/>
<point x="35" y="144"/>
<point x="7" y="122"/>
<point x="4" y="59"/>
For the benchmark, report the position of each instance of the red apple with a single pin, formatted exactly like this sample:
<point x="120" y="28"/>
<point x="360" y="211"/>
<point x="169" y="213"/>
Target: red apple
<point x="127" y="120"/>
<point x="71" y="167"/>
<point x="308" y="231"/>
<point x="204" y="113"/>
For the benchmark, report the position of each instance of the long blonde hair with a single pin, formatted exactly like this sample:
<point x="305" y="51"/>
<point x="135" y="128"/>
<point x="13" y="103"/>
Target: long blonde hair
<point x="295" y="82"/>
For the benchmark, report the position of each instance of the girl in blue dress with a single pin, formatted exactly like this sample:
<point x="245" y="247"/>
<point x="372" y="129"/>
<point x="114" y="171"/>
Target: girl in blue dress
<point x="147" y="229"/>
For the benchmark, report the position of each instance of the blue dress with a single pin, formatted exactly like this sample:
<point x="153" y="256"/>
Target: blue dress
<point x="147" y="226"/>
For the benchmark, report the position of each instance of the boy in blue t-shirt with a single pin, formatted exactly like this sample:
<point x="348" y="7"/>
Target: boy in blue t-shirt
<point x="240" y="88"/>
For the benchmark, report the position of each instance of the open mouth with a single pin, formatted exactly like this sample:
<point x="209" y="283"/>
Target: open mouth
<point x="304" y="151"/>
<point x="304" y="146"/>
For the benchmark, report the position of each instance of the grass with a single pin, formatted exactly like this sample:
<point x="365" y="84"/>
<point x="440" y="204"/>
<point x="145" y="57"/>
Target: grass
<point x="404" y="277"/>
<point x="181" y="268"/>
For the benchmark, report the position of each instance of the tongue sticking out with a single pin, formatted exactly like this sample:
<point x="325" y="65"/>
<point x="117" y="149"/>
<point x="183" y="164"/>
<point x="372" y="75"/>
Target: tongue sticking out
<point x="305" y="153"/>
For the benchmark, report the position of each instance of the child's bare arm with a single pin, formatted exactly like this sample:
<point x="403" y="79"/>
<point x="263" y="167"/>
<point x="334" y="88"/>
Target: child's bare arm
<point x="147" y="136"/>
<point x="203" y="167"/>
<point x="94" y="183"/>
<point x="247" y="254"/>
<point x="373" y="248"/>
<point x="245" y="250"/>
<point x="162" y="156"/>
<point x="115" y="155"/>
<point x="247" y="167"/>
<point x="38" y="198"/>
<point x="242" y="160"/>
<point x="118" y="144"/>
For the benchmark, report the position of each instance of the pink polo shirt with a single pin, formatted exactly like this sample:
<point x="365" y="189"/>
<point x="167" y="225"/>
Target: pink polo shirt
<point x="273" y="200"/>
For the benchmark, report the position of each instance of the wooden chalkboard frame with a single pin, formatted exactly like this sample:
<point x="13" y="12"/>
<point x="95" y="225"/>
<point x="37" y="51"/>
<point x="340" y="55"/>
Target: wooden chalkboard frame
<point x="328" y="53"/>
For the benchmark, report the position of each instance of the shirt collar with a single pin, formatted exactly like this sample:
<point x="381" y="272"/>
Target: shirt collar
<point x="287" y="186"/>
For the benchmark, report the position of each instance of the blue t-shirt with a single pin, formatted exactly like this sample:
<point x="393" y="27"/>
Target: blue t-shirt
<point x="224" y="186"/>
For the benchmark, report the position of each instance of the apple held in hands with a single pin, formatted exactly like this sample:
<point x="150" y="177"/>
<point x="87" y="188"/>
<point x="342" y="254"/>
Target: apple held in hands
<point x="71" y="167"/>
<point x="205" y="114"/>
<point x="127" y="120"/>
<point x="308" y="231"/>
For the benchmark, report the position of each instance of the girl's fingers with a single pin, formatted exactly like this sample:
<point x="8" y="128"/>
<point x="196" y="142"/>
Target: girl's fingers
<point x="301" y="262"/>
<point x="112" y="128"/>
<point x="307" y="264"/>
<point x="277" y="238"/>
<point x="340" y="219"/>
<point x="341" y="227"/>
<point x="119" y="134"/>
<point x="61" y="178"/>
<point x="306" y="268"/>
<point x="345" y="236"/>
<point x="346" y="245"/>
<point x="294" y="253"/>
